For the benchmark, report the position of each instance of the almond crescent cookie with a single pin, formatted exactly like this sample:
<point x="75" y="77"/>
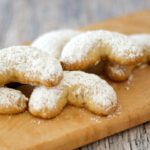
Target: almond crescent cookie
<point x="89" y="48"/>
<point x="28" y="65"/>
<point x="12" y="101"/>
<point x="122" y="72"/>
<point x="54" y="41"/>
<point x="118" y="72"/>
<point x="77" y="88"/>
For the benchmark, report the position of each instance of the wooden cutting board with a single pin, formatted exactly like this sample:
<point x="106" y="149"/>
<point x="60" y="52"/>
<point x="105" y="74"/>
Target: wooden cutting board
<point x="75" y="127"/>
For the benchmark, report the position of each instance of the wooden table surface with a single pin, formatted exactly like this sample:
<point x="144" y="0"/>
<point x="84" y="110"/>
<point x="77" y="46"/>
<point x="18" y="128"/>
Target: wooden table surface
<point x="24" y="20"/>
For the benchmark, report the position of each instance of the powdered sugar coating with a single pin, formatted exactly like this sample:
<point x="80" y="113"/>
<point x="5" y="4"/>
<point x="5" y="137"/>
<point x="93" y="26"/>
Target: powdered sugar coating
<point x="119" y="72"/>
<point x="99" y="91"/>
<point x="54" y="41"/>
<point x="47" y="102"/>
<point x="30" y="65"/>
<point x="12" y="101"/>
<point x="45" y="97"/>
<point x="143" y="40"/>
<point x="82" y="89"/>
<point x="101" y="43"/>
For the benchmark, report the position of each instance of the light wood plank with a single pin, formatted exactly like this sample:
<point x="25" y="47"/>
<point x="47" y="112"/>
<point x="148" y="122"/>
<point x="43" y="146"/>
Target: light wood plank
<point x="23" y="20"/>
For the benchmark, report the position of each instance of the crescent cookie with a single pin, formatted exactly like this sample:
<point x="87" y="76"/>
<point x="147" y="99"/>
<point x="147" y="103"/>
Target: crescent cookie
<point x="77" y="88"/>
<point x="122" y="72"/>
<point x="118" y="72"/>
<point x="12" y="101"/>
<point x="28" y="65"/>
<point x="54" y="41"/>
<point x="89" y="48"/>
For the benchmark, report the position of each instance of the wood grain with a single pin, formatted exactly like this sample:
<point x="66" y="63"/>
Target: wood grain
<point x="24" y="20"/>
<point x="75" y="127"/>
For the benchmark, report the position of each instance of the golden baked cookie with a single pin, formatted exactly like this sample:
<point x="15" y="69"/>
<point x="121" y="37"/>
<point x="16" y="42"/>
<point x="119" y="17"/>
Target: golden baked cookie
<point x="77" y="88"/>
<point x="121" y="72"/>
<point x="89" y="48"/>
<point x="12" y="101"/>
<point x="28" y="65"/>
<point x="118" y="72"/>
<point x="47" y="102"/>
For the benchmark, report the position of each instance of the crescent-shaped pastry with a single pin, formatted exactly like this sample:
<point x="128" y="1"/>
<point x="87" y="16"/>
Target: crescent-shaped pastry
<point x="28" y="65"/>
<point x="77" y="88"/>
<point x="89" y="48"/>
<point x="12" y="101"/>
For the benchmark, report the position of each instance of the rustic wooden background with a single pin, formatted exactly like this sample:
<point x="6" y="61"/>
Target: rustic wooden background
<point x="24" y="20"/>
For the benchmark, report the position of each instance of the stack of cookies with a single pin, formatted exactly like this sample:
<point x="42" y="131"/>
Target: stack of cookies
<point x="58" y="65"/>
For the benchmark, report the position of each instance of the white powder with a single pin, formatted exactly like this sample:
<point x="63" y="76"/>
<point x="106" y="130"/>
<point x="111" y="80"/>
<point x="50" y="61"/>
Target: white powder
<point x="31" y="62"/>
<point x="54" y="41"/>
<point x="10" y="97"/>
<point x="130" y="79"/>
<point x="43" y="97"/>
<point x="142" y="39"/>
<point x="102" y="43"/>
<point x="90" y="87"/>
<point x="96" y="89"/>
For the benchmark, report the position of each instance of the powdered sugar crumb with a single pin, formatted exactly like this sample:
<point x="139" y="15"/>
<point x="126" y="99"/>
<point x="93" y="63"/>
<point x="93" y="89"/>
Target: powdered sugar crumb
<point x="96" y="119"/>
<point x="36" y="121"/>
<point x="116" y="113"/>
<point x="129" y="82"/>
<point x="130" y="79"/>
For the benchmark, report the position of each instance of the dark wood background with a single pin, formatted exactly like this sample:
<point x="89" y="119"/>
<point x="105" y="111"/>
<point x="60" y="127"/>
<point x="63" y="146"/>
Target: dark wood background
<point x="24" y="20"/>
